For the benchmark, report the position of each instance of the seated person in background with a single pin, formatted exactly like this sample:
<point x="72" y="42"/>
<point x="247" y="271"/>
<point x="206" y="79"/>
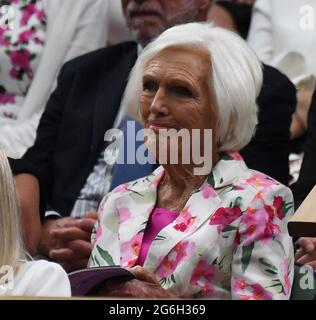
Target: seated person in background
<point x="65" y="168"/>
<point x="232" y="16"/>
<point x="269" y="149"/>
<point x="46" y="33"/>
<point x="26" y="278"/>
<point x="225" y="236"/>
<point x="282" y="34"/>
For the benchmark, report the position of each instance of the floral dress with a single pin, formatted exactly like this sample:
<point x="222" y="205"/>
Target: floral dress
<point x="230" y="241"/>
<point x="21" y="46"/>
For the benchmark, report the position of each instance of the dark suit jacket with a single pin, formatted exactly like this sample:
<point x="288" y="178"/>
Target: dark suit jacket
<point x="307" y="178"/>
<point x="70" y="135"/>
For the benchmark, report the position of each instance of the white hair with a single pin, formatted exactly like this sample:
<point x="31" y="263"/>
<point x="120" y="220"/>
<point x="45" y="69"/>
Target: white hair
<point x="11" y="245"/>
<point x="236" y="78"/>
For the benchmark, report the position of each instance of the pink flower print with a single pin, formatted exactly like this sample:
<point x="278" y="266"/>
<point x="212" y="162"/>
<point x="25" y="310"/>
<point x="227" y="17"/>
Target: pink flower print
<point x="7" y="98"/>
<point x="276" y="208"/>
<point x="287" y="285"/>
<point x="202" y="276"/>
<point x="236" y="156"/>
<point x="181" y="252"/>
<point x="39" y="41"/>
<point x="130" y="250"/>
<point x="185" y="221"/>
<point x="250" y="291"/>
<point x="224" y="217"/>
<point x="260" y="180"/>
<point x="125" y="214"/>
<point x="156" y="181"/>
<point x="21" y="58"/>
<point x="40" y="15"/>
<point x="255" y="221"/>
<point x="122" y="188"/>
<point x="14" y="73"/>
<point x="25" y="36"/>
<point x="98" y="234"/>
<point x="259" y="226"/>
<point x="28" y="12"/>
<point x="4" y="41"/>
<point x="208" y="191"/>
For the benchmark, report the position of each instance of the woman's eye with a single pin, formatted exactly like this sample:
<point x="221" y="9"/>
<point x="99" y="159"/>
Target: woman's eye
<point x="150" y="86"/>
<point x="182" y="91"/>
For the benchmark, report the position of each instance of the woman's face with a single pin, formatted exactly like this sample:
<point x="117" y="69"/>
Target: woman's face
<point x="176" y="92"/>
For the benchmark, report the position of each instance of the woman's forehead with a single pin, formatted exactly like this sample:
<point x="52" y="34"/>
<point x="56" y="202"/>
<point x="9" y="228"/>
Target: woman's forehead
<point x="193" y="60"/>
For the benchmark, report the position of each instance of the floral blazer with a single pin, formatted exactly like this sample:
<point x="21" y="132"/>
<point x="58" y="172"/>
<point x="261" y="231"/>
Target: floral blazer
<point x="229" y="242"/>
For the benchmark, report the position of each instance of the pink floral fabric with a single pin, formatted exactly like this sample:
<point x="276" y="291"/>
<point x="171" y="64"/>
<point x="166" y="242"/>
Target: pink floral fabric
<point x="229" y="242"/>
<point x="21" y="46"/>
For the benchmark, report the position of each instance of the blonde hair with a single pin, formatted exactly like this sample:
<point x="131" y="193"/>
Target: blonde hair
<point x="236" y="78"/>
<point x="11" y="245"/>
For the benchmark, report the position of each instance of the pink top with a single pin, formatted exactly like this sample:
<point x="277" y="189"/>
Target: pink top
<point x="159" y="219"/>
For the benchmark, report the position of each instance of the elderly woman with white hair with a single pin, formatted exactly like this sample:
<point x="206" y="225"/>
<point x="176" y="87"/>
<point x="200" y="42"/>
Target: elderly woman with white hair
<point x="215" y="233"/>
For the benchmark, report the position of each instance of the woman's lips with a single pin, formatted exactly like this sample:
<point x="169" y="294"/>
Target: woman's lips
<point x="157" y="127"/>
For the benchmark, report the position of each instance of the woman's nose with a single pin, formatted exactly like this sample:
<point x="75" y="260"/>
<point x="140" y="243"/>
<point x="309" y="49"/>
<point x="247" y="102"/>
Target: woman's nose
<point x="159" y="104"/>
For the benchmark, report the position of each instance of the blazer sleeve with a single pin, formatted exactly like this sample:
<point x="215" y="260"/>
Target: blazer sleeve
<point x="38" y="160"/>
<point x="263" y="260"/>
<point x="269" y="149"/>
<point x="307" y="177"/>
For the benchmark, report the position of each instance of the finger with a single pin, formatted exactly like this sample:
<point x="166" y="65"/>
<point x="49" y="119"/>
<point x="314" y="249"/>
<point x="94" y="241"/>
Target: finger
<point x="299" y="253"/>
<point x="312" y="264"/>
<point x="75" y="265"/>
<point x="69" y="234"/>
<point x="81" y="248"/>
<point x="307" y="244"/>
<point x="307" y="258"/>
<point x="61" y="255"/>
<point x="66" y="222"/>
<point x="144" y="275"/>
<point x="86" y="224"/>
<point x="92" y="215"/>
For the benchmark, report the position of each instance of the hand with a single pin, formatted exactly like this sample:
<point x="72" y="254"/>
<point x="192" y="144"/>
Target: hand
<point x="67" y="240"/>
<point x="299" y="119"/>
<point x="28" y="191"/>
<point x="307" y="252"/>
<point x="145" y="286"/>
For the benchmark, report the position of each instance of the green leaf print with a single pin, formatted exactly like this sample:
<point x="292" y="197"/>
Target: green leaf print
<point x="227" y="157"/>
<point x="246" y="256"/>
<point x="268" y="263"/>
<point x="230" y="228"/>
<point x="160" y="238"/>
<point x="106" y="256"/>
<point x="286" y="207"/>
<point x="97" y="261"/>
<point x="210" y="180"/>
<point x="238" y="202"/>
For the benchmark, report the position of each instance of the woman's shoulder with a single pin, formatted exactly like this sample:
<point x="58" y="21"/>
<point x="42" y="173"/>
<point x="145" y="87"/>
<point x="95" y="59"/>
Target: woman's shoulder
<point x="39" y="265"/>
<point x="259" y="186"/>
<point x="44" y="278"/>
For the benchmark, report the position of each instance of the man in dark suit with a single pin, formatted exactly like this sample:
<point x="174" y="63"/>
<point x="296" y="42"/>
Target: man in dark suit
<point x="70" y="136"/>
